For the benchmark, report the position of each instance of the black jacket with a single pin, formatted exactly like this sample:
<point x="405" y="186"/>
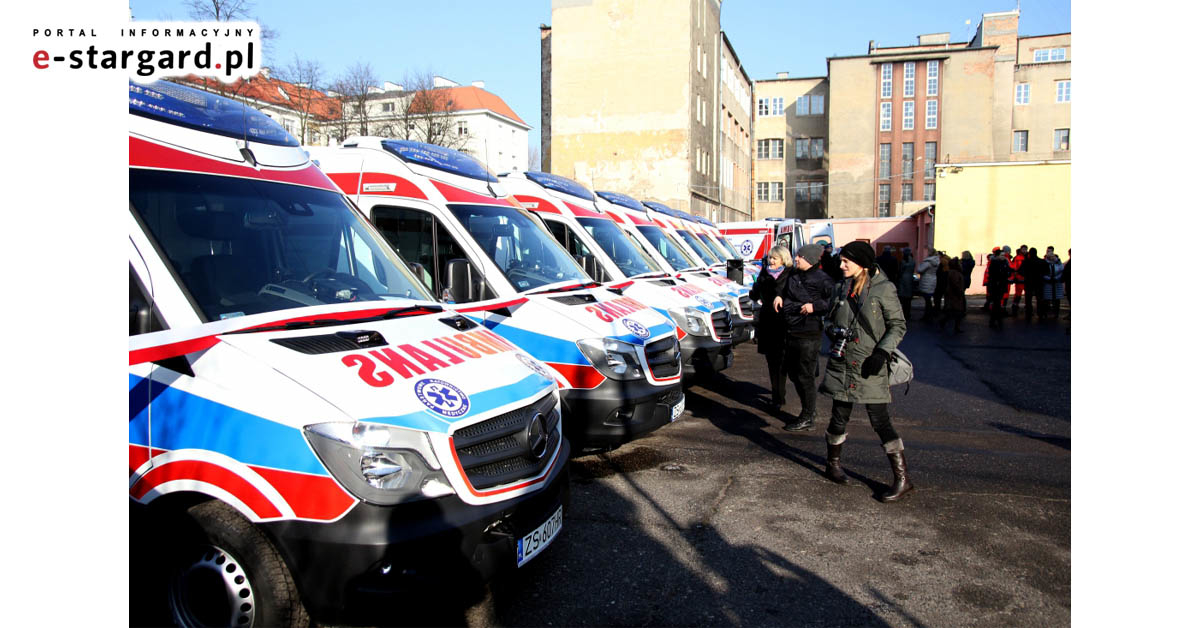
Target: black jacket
<point x="769" y="327"/>
<point x="805" y="286"/>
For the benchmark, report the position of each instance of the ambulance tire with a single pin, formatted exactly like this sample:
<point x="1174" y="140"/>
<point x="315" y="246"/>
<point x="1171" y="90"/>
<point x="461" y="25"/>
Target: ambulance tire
<point x="205" y="587"/>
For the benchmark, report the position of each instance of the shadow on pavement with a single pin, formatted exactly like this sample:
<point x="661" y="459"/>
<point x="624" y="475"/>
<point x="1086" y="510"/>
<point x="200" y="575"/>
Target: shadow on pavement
<point x="1058" y="441"/>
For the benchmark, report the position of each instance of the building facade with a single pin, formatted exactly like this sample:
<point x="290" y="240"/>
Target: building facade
<point x="791" y="127"/>
<point x="897" y="113"/>
<point x="648" y="99"/>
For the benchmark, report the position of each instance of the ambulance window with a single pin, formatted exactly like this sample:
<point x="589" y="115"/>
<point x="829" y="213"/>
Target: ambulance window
<point x="558" y="229"/>
<point x="412" y="233"/>
<point x="785" y="240"/>
<point x="144" y="317"/>
<point x="631" y="260"/>
<point x="528" y="255"/>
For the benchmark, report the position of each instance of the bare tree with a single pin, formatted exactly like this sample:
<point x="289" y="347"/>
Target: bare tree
<point x="307" y="75"/>
<point x="354" y="89"/>
<point x="430" y="114"/>
<point x="535" y="158"/>
<point x="232" y="11"/>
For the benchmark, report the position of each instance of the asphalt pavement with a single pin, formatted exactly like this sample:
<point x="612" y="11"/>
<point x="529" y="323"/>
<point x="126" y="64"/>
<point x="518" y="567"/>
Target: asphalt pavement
<point x="723" y="518"/>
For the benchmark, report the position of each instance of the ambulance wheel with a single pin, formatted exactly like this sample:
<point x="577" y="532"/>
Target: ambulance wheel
<point x="229" y="574"/>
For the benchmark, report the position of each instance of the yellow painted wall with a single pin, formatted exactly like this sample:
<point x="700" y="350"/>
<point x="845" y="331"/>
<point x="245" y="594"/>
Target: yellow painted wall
<point x="984" y="206"/>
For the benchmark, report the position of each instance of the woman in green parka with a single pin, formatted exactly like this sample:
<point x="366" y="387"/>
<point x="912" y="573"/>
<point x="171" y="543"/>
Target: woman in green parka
<point x="867" y="306"/>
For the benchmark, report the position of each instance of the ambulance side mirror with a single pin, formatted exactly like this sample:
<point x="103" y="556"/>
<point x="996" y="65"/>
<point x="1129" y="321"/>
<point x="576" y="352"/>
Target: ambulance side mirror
<point x="460" y="281"/>
<point x="734" y="270"/>
<point x="591" y="266"/>
<point x="139" y="317"/>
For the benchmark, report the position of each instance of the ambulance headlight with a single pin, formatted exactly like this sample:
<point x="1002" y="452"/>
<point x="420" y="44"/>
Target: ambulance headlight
<point x="380" y="464"/>
<point x="690" y="319"/>
<point x="614" y="358"/>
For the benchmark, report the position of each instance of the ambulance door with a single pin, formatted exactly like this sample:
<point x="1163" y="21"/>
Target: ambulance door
<point x="583" y="254"/>
<point x="422" y="239"/>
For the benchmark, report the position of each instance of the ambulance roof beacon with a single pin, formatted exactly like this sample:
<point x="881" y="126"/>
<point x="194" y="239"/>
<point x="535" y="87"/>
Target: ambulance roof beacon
<point x="615" y="358"/>
<point x="307" y="426"/>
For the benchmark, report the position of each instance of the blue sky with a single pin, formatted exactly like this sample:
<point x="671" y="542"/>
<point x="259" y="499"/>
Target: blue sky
<point x="498" y="42"/>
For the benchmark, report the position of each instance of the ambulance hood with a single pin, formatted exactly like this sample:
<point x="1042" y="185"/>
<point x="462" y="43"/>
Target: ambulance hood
<point x="425" y="371"/>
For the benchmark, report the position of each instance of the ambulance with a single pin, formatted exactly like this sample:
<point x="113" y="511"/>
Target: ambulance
<point x="308" y="428"/>
<point x="570" y="212"/>
<point x="751" y="240"/>
<point x="678" y="226"/>
<point x="674" y="258"/>
<point x="616" y="359"/>
<point x="792" y="233"/>
<point x="717" y="243"/>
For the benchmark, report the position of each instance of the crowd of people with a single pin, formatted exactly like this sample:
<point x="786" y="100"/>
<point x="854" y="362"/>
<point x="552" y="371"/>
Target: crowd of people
<point x="863" y="303"/>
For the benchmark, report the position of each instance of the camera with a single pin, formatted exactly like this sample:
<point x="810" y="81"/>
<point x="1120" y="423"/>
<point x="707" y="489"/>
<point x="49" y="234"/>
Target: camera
<point x="838" y="337"/>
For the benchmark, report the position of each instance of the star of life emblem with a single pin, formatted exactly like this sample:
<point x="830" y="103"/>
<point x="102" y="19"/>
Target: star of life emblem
<point x="637" y="328"/>
<point x="442" y="397"/>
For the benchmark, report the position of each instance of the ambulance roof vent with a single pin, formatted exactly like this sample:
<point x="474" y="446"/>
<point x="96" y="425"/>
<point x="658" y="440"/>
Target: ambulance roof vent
<point x="193" y="108"/>
<point x="560" y="184"/>
<point x="439" y="158"/>
<point x="616" y="198"/>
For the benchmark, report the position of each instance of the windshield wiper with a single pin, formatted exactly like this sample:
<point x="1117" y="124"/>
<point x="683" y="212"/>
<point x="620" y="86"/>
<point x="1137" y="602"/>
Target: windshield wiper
<point x="651" y="274"/>
<point x="578" y="286"/>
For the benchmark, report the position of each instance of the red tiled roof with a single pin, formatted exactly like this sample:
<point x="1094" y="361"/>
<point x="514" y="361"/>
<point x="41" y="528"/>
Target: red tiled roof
<point x="467" y="98"/>
<point x="267" y="90"/>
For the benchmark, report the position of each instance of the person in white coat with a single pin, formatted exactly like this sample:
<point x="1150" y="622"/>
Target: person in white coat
<point x="927" y="269"/>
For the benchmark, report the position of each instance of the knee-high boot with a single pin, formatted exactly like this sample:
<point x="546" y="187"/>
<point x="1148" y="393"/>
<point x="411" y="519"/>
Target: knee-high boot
<point x="833" y="458"/>
<point x="901" y="485"/>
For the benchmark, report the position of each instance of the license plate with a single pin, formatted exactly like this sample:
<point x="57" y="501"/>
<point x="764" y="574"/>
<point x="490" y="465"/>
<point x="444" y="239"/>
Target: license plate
<point x="533" y="543"/>
<point x="677" y="410"/>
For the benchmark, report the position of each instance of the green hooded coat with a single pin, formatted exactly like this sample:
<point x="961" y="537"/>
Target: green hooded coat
<point x="881" y="324"/>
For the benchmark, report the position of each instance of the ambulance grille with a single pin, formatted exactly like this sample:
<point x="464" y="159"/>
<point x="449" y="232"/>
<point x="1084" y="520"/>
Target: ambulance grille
<point x="493" y="452"/>
<point x="316" y="345"/>
<point x="575" y="299"/>
<point x="746" y="304"/>
<point x="663" y="357"/>
<point x="722" y="324"/>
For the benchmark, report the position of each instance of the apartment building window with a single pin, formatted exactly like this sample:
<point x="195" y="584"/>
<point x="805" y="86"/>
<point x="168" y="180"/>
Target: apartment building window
<point x="387" y="107"/>
<point x="770" y="149"/>
<point x="1049" y="54"/>
<point x="885" y="161"/>
<point x="1062" y="139"/>
<point x="810" y="148"/>
<point x="931" y="78"/>
<point x="930" y="160"/>
<point x="777" y="106"/>
<point x="910" y="114"/>
<point x="810" y="105"/>
<point x="885" y="116"/>
<point x="1020" y="141"/>
<point x="807" y="191"/>
<point x="885" y="199"/>
<point x="910" y="79"/>
<point x="905" y="192"/>
<point x="906" y="160"/>
<point x="769" y="191"/>
<point x="1022" y="94"/>
<point x="463" y="129"/>
<point x="931" y="114"/>
<point x="764" y="106"/>
<point x="929" y="191"/>
<point x="885" y="81"/>
<point x="1062" y="91"/>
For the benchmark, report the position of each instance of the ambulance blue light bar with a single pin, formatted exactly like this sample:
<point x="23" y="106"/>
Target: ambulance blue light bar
<point x="194" y="108"/>
<point x="439" y="158"/>
<point x="616" y="198"/>
<point x="560" y="184"/>
<point x="704" y="221"/>
<point x="659" y="207"/>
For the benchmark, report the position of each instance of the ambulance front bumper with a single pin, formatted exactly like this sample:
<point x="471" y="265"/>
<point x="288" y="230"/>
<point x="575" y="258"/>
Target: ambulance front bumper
<point x="704" y="354"/>
<point x="616" y="412"/>
<point x="355" y="567"/>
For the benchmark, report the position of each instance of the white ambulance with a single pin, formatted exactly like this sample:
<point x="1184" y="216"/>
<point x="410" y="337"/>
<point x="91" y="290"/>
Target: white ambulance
<point x="679" y="260"/>
<point x="308" y="428"/>
<point x="616" y="359"/>
<point x="605" y="251"/>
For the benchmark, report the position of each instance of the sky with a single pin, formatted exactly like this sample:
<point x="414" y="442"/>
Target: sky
<point x="499" y="42"/>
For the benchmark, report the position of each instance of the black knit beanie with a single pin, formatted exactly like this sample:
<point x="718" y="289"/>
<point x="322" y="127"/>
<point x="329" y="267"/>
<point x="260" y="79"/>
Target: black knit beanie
<point x="860" y="253"/>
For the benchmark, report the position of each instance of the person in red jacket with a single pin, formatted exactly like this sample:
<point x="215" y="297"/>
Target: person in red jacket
<point x="1017" y="279"/>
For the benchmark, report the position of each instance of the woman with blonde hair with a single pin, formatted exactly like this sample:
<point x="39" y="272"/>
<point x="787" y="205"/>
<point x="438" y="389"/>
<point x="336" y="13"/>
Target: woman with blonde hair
<point x="769" y="328"/>
<point x="866" y="325"/>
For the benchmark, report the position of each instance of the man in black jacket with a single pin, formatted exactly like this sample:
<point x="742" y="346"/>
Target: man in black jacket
<point x="804" y="299"/>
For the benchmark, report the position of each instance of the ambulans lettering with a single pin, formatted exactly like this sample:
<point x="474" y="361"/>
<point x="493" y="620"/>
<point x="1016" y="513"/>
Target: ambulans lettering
<point x="686" y="290"/>
<point x="720" y="281"/>
<point x="609" y="311"/>
<point x="379" y="367"/>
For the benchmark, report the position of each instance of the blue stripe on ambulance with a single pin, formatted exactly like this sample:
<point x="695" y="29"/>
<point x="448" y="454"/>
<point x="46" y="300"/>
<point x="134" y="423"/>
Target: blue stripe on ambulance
<point x="481" y="402"/>
<point x="543" y="347"/>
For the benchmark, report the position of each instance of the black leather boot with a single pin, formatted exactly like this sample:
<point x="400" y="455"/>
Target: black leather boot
<point x="833" y="463"/>
<point x="901" y="485"/>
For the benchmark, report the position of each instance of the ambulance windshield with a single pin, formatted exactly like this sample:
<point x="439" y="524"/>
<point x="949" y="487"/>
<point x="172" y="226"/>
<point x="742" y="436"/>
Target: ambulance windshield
<point x="246" y="246"/>
<point x="698" y="247"/>
<point x="529" y="256"/>
<point x="676" y="257"/>
<point x="628" y="257"/>
<point x="717" y="246"/>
